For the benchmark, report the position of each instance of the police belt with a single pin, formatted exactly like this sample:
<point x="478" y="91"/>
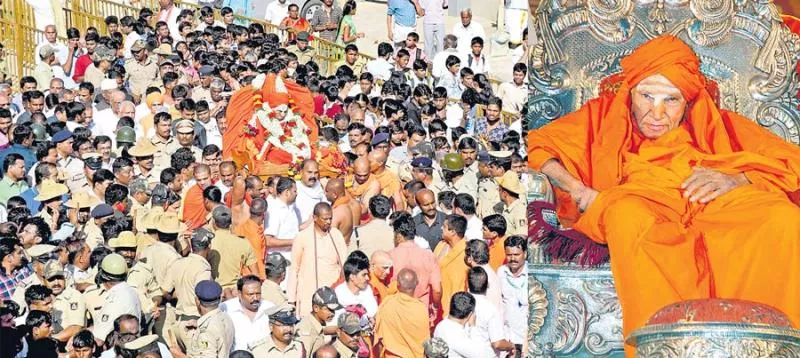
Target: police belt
<point x="186" y="317"/>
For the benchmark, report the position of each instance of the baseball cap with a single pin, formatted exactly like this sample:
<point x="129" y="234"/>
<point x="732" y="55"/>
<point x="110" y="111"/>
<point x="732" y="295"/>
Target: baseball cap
<point x="350" y="323"/>
<point x="325" y="296"/>
<point x="47" y="51"/>
<point x="302" y="36"/>
<point x="53" y="268"/>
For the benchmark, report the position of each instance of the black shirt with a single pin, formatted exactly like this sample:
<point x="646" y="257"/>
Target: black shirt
<point x="433" y="233"/>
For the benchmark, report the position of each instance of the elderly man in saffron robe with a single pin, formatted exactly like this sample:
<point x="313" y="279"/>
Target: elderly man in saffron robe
<point x="692" y="201"/>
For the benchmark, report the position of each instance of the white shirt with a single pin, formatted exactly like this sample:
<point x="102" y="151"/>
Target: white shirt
<point x="61" y="53"/>
<point x="276" y="12"/>
<point x="130" y="39"/>
<point x="307" y="198"/>
<point x="493" y="288"/>
<point x="120" y="299"/>
<point x="213" y="136"/>
<point x="364" y="298"/>
<point x="514" y="97"/>
<point x="43" y="15"/>
<point x="283" y="222"/>
<point x="514" y="292"/>
<point x="105" y="123"/>
<point x="466" y="34"/>
<point x="474" y="229"/>
<point x="222" y="187"/>
<point x="246" y="331"/>
<point x="488" y="325"/>
<point x="458" y="340"/>
<point x="479" y="64"/>
<point x="171" y="18"/>
<point x="440" y="61"/>
<point x="380" y="68"/>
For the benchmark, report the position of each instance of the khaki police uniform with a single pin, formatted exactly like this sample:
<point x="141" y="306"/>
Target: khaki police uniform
<point x="141" y="74"/>
<point x="357" y="67"/>
<point x="120" y="299"/>
<point x="213" y="337"/>
<point x="465" y="185"/>
<point x="174" y="146"/>
<point x="69" y="309"/>
<point x="309" y="332"/>
<point x="93" y="298"/>
<point x="488" y="197"/>
<point x="183" y="277"/>
<point x="303" y="57"/>
<point x="161" y="256"/>
<point x="141" y="278"/>
<point x="161" y="158"/>
<point x="344" y="351"/>
<point x="94" y="235"/>
<point x="266" y="348"/>
<point x="272" y="292"/>
<point x="229" y="255"/>
<point x="200" y="93"/>
<point x="516" y="219"/>
<point x="73" y="167"/>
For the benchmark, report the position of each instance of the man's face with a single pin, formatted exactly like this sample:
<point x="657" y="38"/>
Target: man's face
<point x="360" y="279"/>
<point x="90" y="46"/>
<point x="476" y="49"/>
<point x="104" y="149"/>
<point x="37" y="105"/>
<point x="43" y="305"/>
<point x="227" y="174"/>
<point x="515" y="257"/>
<point x="427" y="204"/>
<point x="124" y="175"/>
<point x="402" y="61"/>
<point x="366" y="86"/>
<point x="519" y="77"/>
<point x="228" y="18"/>
<point x="84" y="352"/>
<point x="657" y="105"/>
<point x="398" y="137"/>
<point x="310" y="174"/>
<point x="282" y="333"/>
<point x="56" y="284"/>
<point x="257" y="191"/>
<point x="84" y="95"/>
<point x="384" y="146"/>
<point x="203" y="178"/>
<point x="468" y="81"/>
<point x="323" y="220"/>
<point x="415" y="139"/>
<point x="56" y="87"/>
<point x="112" y="28"/>
<point x="355" y="137"/>
<point x="361" y="175"/>
<point x="84" y="148"/>
<point x="177" y="184"/>
<point x="222" y="124"/>
<point x="492" y="113"/>
<point x="381" y="271"/>
<point x="145" y="162"/>
<point x="52" y="156"/>
<point x="216" y="94"/>
<point x="323" y="312"/>
<point x="129" y="326"/>
<point x="163" y="129"/>
<point x="17" y="169"/>
<point x="352" y="56"/>
<point x="302" y="45"/>
<point x="348" y="340"/>
<point x="439" y="103"/>
<point x="466" y="19"/>
<point x="28" y="86"/>
<point x="469" y="155"/>
<point x="250" y="296"/>
<point x="65" y="147"/>
<point x="50" y="34"/>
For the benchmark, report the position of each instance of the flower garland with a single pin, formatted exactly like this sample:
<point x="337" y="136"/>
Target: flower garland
<point x="289" y="134"/>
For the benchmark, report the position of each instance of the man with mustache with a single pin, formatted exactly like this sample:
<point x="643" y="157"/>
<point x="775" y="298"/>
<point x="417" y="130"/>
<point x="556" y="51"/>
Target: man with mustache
<point x="309" y="190"/>
<point x="513" y="279"/>
<point x="69" y="308"/>
<point x="248" y="313"/>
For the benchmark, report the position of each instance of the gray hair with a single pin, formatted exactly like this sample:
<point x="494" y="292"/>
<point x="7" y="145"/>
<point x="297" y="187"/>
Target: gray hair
<point x="217" y="83"/>
<point x="467" y="10"/>
<point x="138" y="185"/>
<point x="450" y="41"/>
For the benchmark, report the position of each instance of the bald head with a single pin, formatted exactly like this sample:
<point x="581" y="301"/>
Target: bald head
<point x="258" y="207"/>
<point x="378" y="156"/>
<point x="117" y="96"/>
<point x="361" y="165"/>
<point x="424" y="196"/>
<point x="407" y="281"/>
<point x="380" y="257"/>
<point x="326" y="351"/>
<point x="201" y="169"/>
<point x="335" y="186"/>
<point x="228" y="165"/>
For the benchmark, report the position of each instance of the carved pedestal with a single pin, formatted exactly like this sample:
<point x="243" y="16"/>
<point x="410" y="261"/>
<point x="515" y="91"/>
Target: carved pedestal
<point x="574" y="312"/>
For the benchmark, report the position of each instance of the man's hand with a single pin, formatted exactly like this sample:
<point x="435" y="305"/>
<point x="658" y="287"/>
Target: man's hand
<point x="705" y="185"/>
<point x="420" y="12"/>
<point x="584" y="196"/>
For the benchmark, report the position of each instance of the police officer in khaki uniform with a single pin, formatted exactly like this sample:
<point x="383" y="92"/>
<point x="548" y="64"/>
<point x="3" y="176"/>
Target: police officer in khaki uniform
<point x="185" y="139"/>
<point x="276" y="272"/>
<point x="39" y="255"/>
<point x="94" y="235"/>
<point x="203" y="92"/>
<point x="281" y="343"/>
<point x="347" y="335"/>
<point x="302" y="49"/>
<point x="352" y="60"/>
<point x="184" y="275"/>
<point x="140" y="275"/>
<point x="310" y="329"/>
<point x="145" y="346"/>
<point x="214" y="334"/>
<point x="162" y="255"/>
<point x="232" y="253"/>
<point x="92" y="162"/>
<point x="143" y="151"/>
<point x="142" y="69"/>
<point x="162" y="140"/>
<point x="69" y="308"/>
<point x="72" y="166"/>
<point x="454" y="177"/>
<point x="488" y="196"/>
<point x="513" y="195"/>
<point x="120" y="297"/>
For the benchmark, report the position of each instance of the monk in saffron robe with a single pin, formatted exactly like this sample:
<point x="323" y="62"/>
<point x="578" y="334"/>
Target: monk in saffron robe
<point x="194" y="209"/>
<point x="380" y="266"/>
<point x="450" y="252"/>
<point x="401" y="324"/>
<point x="362" y="185"/>
<point x="692" y="201"/>
<point x="252" y="229"/>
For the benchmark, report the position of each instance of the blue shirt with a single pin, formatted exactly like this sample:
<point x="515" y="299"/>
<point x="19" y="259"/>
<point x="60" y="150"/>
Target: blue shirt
<point x="27" y="155"/>
<point x="32" y="204"/>
<point x="403" y="12"/>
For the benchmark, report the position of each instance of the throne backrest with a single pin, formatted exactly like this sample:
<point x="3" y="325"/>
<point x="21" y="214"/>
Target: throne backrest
<point x="746" y="52"/>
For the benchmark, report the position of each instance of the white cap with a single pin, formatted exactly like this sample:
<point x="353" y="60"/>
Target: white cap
<point x="108" y="84"/>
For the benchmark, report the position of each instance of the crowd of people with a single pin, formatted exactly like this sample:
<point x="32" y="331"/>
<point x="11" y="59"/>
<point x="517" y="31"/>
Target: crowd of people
<point x="125" y="230"/>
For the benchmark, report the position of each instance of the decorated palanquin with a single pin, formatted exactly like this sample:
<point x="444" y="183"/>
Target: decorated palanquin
<point x="749" y="57"/>
<point x="272" y="130"/>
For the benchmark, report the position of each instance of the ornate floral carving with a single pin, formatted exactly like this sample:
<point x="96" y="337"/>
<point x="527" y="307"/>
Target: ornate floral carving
<point x="659" y="16"/>
<point x="703" y="346"/>
<point x="570" y="321"/>
<point x="610" y="19"/>
<point x="537" y="301"/>
<point x="714" y="21"/>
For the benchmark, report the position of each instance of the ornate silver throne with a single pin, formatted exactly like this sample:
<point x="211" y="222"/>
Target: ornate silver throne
<point x="744" y="48"/>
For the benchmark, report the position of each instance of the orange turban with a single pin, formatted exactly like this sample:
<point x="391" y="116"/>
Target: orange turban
<point x="672" y="58"/>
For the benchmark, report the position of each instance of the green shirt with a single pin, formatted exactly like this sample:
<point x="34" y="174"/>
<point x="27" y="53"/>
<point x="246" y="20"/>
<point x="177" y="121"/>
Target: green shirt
<point x="9" y="188"/>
